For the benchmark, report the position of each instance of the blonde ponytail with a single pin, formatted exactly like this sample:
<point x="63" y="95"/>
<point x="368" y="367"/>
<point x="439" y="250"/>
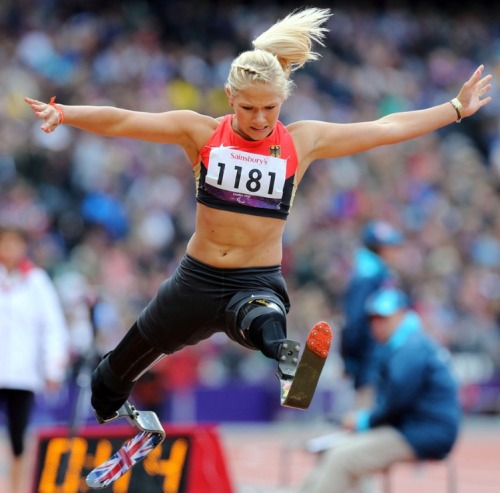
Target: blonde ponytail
<point x="291" y="38"/>
<point x="283" y="48"/>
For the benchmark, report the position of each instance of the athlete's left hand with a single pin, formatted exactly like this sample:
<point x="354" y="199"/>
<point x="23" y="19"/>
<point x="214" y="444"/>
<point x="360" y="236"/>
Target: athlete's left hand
<point x="473" y="94"/>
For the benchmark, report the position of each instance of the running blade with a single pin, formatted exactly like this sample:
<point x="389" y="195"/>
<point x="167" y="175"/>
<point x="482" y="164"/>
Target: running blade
<point x="298" y="393"/>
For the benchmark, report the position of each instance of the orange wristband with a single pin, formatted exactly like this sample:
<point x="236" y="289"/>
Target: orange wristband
<point x="58" y="108"/>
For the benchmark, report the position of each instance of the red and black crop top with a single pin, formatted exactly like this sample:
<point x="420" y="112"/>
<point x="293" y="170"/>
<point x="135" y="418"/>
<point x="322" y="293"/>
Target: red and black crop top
<point x="250" y="177"/>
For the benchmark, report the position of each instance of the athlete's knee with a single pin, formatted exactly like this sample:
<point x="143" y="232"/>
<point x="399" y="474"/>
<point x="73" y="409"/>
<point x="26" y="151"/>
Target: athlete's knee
<point x="262" y="321"/>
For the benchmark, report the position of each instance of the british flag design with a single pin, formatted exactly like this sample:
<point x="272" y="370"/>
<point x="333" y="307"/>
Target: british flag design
<point x="124" y="459"/>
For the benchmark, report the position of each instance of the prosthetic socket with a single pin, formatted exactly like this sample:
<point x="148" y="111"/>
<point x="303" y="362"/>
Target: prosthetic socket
<point x="261" y="321"/>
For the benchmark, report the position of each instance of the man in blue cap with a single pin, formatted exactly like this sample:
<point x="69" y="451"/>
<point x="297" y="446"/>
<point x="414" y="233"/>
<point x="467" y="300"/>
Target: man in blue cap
<point x="373" y="266"/>
<point x="416" y="413"/>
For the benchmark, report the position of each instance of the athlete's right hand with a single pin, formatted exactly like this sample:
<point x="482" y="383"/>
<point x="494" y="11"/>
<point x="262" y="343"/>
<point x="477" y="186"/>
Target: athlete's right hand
<point x="47" y="112"/>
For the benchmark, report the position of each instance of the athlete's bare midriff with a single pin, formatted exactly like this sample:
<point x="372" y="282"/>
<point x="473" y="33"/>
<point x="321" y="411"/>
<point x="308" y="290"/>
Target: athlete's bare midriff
<point x="230" y="240"/>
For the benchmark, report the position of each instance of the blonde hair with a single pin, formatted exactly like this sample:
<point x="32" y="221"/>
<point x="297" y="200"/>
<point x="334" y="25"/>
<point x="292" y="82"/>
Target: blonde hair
<point x="283" y="48"/>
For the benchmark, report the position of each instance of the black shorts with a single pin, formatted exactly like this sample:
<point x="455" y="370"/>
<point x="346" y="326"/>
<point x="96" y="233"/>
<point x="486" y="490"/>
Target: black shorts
<point x="18" y="405"/>
<point x="196" y="302"/>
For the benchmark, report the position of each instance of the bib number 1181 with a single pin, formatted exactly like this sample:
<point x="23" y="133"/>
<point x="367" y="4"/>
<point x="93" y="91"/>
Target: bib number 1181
<point x="252" y="182"/>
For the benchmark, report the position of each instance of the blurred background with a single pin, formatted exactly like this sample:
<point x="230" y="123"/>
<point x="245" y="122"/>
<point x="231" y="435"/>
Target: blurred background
<point x="109" y="218"/>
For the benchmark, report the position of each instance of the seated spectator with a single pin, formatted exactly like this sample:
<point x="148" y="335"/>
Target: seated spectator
<point x="416" y="414"/>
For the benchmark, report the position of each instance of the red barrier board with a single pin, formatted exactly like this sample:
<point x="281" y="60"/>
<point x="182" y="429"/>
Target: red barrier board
<point x="190" y="460"/>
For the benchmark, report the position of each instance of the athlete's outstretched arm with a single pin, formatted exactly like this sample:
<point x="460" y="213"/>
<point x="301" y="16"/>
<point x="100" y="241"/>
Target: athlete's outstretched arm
<point x="175" y="127"/>
<point x="331" y="140"/>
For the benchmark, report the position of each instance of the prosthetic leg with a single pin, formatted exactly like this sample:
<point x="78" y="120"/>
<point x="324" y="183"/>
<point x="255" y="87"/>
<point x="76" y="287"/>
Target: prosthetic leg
<point x="262" y="323"/>
<point x="112" y="382"/>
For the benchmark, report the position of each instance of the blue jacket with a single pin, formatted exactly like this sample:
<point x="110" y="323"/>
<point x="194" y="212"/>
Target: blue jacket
<point x="415" y="391"/>
<point x="370" y="272"/>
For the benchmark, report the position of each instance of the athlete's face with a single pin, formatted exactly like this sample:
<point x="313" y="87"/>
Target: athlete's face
<point x="256" y="110"/>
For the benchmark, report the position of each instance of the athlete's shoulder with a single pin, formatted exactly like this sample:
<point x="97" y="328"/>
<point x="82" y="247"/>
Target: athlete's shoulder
<point x="200" y="127"/>
<point x="301" y="130"/>
<point x="223" y="118"/>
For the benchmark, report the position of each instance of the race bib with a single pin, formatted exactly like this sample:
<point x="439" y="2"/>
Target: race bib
<point x="246" y="178"/>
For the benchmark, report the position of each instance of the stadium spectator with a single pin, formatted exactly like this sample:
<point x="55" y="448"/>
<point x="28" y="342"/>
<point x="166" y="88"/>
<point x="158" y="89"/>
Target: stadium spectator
<point x="416" y="414"/>
<point x="34" y="348"/>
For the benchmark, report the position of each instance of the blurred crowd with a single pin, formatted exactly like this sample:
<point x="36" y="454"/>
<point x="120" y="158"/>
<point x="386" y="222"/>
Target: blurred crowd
<point x="109" y="218"/>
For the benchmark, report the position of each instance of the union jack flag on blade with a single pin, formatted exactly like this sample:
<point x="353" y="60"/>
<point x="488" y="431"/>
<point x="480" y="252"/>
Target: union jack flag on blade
<point x="132" y="452"/>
